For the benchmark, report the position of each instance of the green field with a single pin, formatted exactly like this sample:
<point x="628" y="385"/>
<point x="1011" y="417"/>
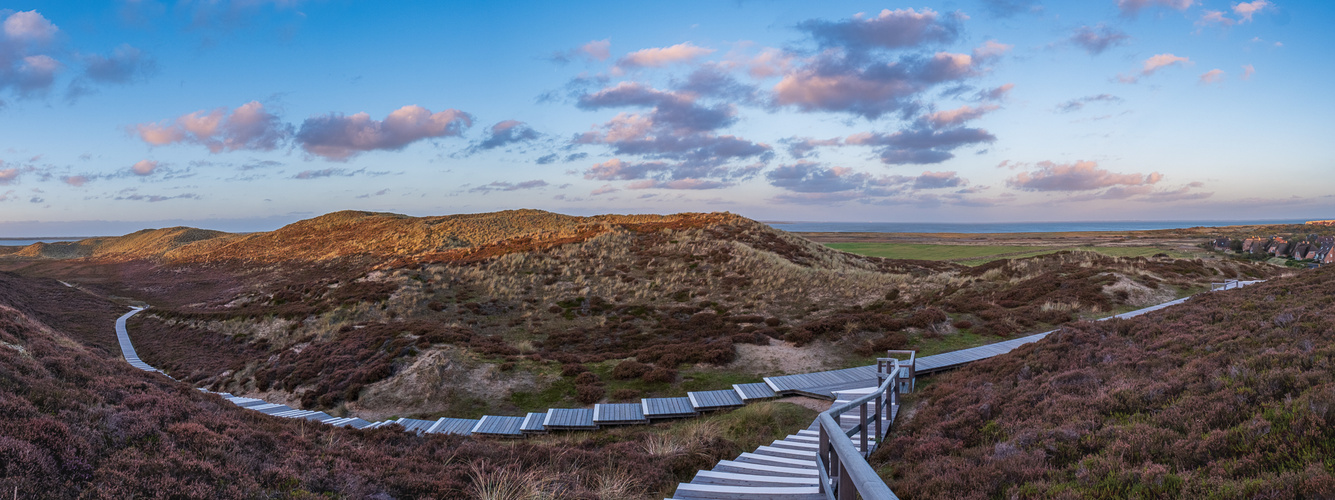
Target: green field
<point x="973" y="255"/>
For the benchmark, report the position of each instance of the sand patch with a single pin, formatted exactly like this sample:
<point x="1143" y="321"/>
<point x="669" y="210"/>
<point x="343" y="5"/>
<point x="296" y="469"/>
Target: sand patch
<point x="782" y="358"/>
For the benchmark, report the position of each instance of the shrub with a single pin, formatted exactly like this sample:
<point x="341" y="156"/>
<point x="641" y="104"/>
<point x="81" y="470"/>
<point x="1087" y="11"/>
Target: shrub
<point x="630" y="369"/>
<point x="660" y="375"/>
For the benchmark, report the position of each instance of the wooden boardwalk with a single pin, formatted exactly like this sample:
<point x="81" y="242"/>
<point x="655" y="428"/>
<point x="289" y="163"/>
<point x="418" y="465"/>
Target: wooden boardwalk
<point x="827" y="384"/>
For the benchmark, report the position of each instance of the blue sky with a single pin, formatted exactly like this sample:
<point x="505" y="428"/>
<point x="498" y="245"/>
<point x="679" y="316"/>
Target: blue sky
<point x="249" y="114"/>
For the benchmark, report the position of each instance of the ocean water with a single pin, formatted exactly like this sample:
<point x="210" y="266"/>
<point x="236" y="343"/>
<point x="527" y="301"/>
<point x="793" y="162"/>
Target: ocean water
<point x="1007" y="227"/>
<point x="14" y="242"/>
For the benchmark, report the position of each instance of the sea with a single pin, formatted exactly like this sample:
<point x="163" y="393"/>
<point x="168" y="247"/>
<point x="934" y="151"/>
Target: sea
<point x="1008" y="227"/>
<point x="20" y="242"/>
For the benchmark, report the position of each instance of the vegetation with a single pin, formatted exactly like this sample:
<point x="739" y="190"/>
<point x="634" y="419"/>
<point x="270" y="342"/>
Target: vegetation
<point x="1231" y="395"/>
<point x="75" y="422"/>
<point x="974" y="255"/>
<point x="381" y="314"/>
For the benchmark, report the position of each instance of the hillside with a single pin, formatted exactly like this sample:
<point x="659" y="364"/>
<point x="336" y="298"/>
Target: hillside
<point x="1231" y="395"/>
<point x="77" y="422"/>
<point x="383" y="314"/>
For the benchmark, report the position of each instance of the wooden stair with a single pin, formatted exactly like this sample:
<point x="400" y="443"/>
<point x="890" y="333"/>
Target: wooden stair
<point x="782" y="470"/>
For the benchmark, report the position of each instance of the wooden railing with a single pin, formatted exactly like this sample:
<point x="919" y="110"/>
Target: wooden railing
<point x="843" y="468"/>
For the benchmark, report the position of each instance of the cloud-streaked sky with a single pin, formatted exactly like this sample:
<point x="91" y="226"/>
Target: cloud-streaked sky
<point x="967" y="111"/>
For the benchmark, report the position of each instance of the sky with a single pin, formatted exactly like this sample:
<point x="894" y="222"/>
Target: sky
<point x="245" y="115"/>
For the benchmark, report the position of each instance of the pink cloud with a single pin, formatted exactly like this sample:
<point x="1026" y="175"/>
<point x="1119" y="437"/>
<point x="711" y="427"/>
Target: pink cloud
<point x="1154" y="64"/>
<point x="8" y="175"/>
<point x="598" y="50"/>
<point x="605" y="189"/>
<point x="75" y="180"/>
<point x="1245" y="10"/>
<point x="1131" y="7"/>
<point x="1212" y="76"/>
<point x="1162" y="60"/>
<point x="1247" y="71"/>
<point x="957" y="116"/>
<point x="338" y="137"/>
<point x="144" y="167"/>
<point x="1215" y="17"/>
<point x="659" y="57"/>
<point x="770" y="62"/>
<point x="991" y="49"/>
<point x="1078" y="176"/>
<point x="29" y="26"/>
<point x="248" y="127"/>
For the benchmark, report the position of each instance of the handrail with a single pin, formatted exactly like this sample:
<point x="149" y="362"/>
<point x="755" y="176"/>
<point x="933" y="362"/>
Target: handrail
<point x="840" y="474"/>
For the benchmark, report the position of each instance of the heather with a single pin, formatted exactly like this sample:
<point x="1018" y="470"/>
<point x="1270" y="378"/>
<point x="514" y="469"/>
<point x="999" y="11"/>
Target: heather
<point x="1230" y="395"/>
<point x="76" y="422"/>
<point x="374" y="313"/>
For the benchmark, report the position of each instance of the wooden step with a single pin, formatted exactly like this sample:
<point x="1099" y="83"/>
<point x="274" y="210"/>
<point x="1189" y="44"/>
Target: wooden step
<point x="787" y="452"/>
<point x="736" y="479"/>
<point x="688" y="491"/>
<point x="755" y="458"/>
<point x="762" y="469"/>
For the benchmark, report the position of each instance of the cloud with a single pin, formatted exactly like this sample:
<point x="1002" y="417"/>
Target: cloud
<point x="812" y="183"/>
<point x="674" y="109"/>
<point x="957" y="116"/>
<point x="811" y="177"/>
<point x="381" y="192"/>
<point x="939" y="180"/>
<point x="660" y="57"/>
<point x="686" y="184"/>
<point x="1099" y="38"/>
<point x="996" y="94"/>
<point x="891" y="29"/>
<point x="1245" y="10"/>
<point x="605" y="189"/>
<point x="507" y="132"/>
<point x="991" y="50"/>
<point x="1215" y="17"/>
<point x="1078" y="176"/>
<point x="1247" y="71"/>
<point x="1212" y="76"/>
<point x="23" y="66"/>
<point x="712" y="80"/>
<point x="1080" y="102"/>
<point x="248" y="127"/>
<point x="802" y="147"/>
<point x="597" y="50"/>
<point x="1008" y="8"/>
<point x="75" y="180"/>
<point x="1154" y="64"/>
<point x="154" y="198"/>
<point x="664" y="175"/>
<point x="839" y="85"/>
<point x="338" y="137"/>
<point x="332" y="172"/>
<point x="920" y="145"/>
<point x="29" y="26"/>
<point x="144" y="167"/>
<point x="123" y="65"/>
<point x="8" y="175"/>
<point x="507" y="186"/>
<point x="676" y="127"/>
<point x="1133" y="7"/>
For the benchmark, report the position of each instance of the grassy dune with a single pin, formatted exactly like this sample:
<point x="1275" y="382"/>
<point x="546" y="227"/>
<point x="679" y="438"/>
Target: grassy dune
<point x="973" y="255"/>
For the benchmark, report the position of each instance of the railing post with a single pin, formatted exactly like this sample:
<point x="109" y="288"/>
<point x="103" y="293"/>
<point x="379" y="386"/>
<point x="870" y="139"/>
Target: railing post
<point x="862" y="411"/>
<point x="847" y="490"/>
<point x="880" y="414"/>
<point x="825" y="453"/>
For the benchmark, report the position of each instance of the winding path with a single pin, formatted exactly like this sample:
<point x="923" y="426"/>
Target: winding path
<point x="785" y="469"/>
